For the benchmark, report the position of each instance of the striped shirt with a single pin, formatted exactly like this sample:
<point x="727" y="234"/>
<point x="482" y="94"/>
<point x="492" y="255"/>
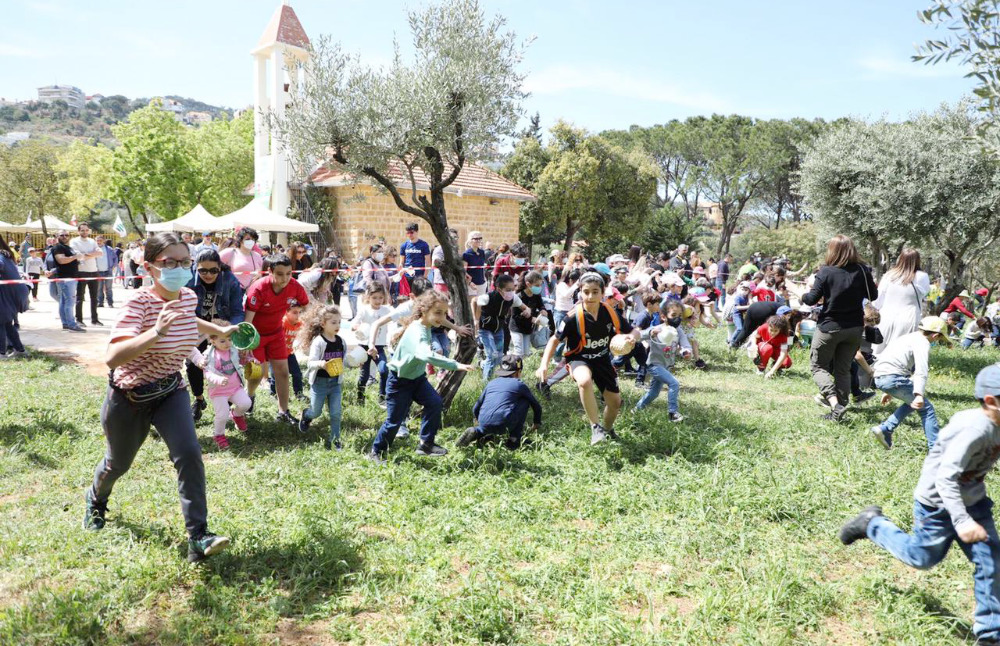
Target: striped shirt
<point x="168" y="354"/>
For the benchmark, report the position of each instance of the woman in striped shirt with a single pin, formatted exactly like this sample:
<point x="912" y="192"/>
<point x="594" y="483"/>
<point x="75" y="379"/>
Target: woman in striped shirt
<point x="156" y="331"/>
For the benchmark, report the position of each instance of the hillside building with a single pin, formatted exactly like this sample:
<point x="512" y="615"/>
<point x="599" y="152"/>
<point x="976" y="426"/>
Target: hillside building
<point x="73" y="96"/>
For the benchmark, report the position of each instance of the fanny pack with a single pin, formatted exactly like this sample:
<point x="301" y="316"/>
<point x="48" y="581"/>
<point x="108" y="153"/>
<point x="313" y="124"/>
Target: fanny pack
<point x="148" y="392"/>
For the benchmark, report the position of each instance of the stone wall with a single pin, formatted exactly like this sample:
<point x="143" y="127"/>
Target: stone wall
<point x="363" y="216"/>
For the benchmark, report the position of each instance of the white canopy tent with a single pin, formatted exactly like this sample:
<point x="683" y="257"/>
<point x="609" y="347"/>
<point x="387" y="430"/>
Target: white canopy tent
<point x="257" y="215"/>
<point x="7" y="226"/>
<point x="197" y="220"/>
<point x="52" y="223"/>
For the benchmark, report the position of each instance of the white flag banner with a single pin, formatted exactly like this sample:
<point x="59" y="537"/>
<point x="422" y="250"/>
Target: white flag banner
<point x="119" y="226"/>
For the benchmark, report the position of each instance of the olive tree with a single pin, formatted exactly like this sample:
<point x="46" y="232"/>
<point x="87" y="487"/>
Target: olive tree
<point x="411" y="127"/>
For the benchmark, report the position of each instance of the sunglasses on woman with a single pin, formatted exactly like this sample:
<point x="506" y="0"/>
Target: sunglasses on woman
<point x="211" y="271"/>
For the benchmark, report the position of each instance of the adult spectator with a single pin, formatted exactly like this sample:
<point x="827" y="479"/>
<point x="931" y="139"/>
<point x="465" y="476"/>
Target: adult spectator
<point x="474" y="259"/>
<point x="12" y="301"/>
<point x="901" y="294"/>
<point x="106" y="264"/>
<point x="86" y="247"/>
<point x="416" y="253"/>
<point x="245" y="263"/>
<point x="301" y="260"/>
<point x="842" y="283"/>
<point x="437" y="258"/>
<point x="206" y="243"/>
<point x="25" y="246"/>
<point x="67" y="263"/>
<point x="219" y="297"/>
<point x="679" y="263"/>
<point x="722" y="277"/>
<point x="372" y="270"/>
<point x="188" y="240"/>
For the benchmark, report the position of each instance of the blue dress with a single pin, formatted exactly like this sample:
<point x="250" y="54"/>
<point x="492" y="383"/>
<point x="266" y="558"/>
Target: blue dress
<point x="8" y="293"/>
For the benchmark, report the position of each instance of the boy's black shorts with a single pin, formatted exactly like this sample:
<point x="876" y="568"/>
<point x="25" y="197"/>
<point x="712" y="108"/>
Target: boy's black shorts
<point x="605" y="376"/>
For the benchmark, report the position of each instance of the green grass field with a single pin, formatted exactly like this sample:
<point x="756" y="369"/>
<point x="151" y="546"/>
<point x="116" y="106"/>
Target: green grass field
<point x="721" y="529"/>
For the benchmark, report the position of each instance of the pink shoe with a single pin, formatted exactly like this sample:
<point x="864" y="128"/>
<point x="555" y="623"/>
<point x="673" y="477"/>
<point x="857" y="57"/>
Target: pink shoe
<point x="221" y="442"/>
<point x="240" y="421"/>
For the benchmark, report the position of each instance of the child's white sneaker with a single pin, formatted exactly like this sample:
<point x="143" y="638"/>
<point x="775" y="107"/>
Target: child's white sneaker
<point x="676" y="417"/>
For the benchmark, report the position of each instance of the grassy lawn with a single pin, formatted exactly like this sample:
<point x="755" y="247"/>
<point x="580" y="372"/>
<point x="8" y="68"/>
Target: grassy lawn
<point x="721" y="529"/>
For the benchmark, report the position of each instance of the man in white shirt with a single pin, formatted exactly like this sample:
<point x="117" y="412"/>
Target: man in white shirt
<point x="206" y="243"/>
<point x="87" y="248"/>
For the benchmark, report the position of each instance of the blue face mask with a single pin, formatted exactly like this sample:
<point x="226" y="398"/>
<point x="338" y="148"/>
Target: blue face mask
<point x="173" y="279"/>
<point x="519" y="261"/>
<point x="536" y="289"/>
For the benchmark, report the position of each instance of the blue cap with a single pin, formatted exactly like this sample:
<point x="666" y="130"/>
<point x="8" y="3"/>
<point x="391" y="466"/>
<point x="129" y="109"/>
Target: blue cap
<point x="603" y="269"/>
<point x="988" y="381"/>
<point x="784" y="309"/>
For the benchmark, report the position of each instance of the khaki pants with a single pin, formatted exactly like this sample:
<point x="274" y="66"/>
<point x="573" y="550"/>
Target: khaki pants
<point x="830" y="361"/>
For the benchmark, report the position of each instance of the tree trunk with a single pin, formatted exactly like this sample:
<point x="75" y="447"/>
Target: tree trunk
<point x="41" y="218"/>
<point x="454" y="274"/>
<point x="570" y="234"/>
<point x="128" y="212"/>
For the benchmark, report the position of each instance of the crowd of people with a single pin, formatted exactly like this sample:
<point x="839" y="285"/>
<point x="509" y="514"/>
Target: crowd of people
<point x="593" y="320"/>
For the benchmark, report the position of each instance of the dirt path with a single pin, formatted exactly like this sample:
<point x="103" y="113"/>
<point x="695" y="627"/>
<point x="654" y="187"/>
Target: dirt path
<point x="42" y="331"/>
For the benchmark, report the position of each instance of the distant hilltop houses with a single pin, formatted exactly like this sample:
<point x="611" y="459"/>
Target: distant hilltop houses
<point x="75" y="98"/>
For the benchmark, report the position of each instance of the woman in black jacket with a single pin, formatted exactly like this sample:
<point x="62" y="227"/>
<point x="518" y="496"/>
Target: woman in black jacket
<point x="842" y="283"/>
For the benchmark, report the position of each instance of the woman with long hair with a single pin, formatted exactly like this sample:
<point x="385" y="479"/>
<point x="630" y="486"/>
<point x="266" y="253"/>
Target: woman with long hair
<point x="901" y="294"/>
<point x="842" y="283"/>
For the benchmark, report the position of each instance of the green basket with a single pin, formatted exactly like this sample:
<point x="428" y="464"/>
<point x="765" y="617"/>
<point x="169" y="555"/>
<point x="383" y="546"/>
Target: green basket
<point x="245" y="337"/>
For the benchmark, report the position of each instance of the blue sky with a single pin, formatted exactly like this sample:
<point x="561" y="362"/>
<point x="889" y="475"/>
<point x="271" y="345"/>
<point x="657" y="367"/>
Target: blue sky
<point x="597" y="64"/>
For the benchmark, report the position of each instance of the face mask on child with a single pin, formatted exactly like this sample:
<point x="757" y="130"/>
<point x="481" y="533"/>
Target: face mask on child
<point x="674" y="321"/>
<point x="507" y="296"/>
<point x="173" y="279"/>
<point x="536" y="289"/>
<point x="519" y="261"/>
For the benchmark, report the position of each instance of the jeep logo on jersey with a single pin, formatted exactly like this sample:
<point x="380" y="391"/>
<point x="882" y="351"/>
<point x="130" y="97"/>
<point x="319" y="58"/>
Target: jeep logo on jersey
<point x="596" y="344"/>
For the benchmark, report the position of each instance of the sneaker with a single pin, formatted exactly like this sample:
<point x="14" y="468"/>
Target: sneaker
<point x="611" y="434"/>
<point x="700" y="364"/>
<point x="883" y="436"/>
<point x="197" y="406"/>
<point x="304" y="424"/>
<point x="544" y="390"/>
<point x="17" y="354"/>
<point x="375" y="457"/>
<point x="286" y="418"/>
<point x="863" y="397"/>
<point x="302" y="398"/>
<point x="93" y="517"/>
<point x="81" y="324"/>
<point x="240" y="421"/>
<point x="382" y="404"/>
<point x="837" y="414"/>
<point x="221" y="442"/>
<point x="97" y="323"/>
<point x="403" y="432"/>
<point x="468" y="437"/>
<point x="205" y="545"/>
<point x="253" y="402"/>
<point x="73" y="328"/>
<point x="822" y="401"/>
<point x="676" y="417"/>
<point x="597" y="434"/>
<point x="431" y="450"/>
<point x="857" y="527"/>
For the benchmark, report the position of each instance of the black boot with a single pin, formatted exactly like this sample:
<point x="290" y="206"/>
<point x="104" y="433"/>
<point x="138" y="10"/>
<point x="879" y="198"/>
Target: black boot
<point x="857" y="527"/>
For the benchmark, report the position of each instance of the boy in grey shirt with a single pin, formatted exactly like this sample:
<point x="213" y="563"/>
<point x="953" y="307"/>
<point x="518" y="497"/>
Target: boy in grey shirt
<point x="950" y="502"/>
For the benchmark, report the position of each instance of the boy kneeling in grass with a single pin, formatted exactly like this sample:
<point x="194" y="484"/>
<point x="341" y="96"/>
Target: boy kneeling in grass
<point x="950" y="502"/>
<point x="503" y="406"/>
<point x="901" y="373"/>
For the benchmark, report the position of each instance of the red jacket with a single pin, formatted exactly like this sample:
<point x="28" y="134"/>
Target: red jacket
<point x="956" y="304"/>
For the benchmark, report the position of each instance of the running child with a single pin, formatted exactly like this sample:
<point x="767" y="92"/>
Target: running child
<point x="221" y="364"/>
<point x="267" y="301"/>
<point x="503" y="407"/>
<point x="291" y="323"/>
<point x="587" y="333"/>
<point x="950" y="503"/>
<point x="320" y="333"/>
<point x="901" y="373"/>
<point x="649" y="317"/>
<point x="373" y="308"/>
<point x="665" y="342"/>
<point x="408" y="378"/>
<point x="529" y="291"/>
<point x="494" y="316"/>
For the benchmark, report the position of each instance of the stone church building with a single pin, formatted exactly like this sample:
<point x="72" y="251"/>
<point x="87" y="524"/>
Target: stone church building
<point x="478" y="200"/>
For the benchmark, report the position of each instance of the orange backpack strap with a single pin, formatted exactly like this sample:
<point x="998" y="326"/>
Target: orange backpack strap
<point x="582" y="325"/>
<point x="614" y="317"/>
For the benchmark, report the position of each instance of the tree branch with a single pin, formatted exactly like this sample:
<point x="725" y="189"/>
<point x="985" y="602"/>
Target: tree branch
<point x="389" y="186"/>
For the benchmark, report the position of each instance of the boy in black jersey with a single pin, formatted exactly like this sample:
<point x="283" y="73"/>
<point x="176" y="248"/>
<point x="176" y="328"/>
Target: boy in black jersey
<point x="587" y="352"/>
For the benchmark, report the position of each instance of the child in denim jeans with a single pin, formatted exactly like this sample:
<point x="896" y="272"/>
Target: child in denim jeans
<point x="901" y="373"/>
<point x="664" y="344"/>
<point x="950" y="503"/>
<point x="319" y="333"/>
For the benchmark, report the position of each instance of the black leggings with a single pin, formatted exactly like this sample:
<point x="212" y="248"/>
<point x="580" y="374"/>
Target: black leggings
<point x="195" y="375"/>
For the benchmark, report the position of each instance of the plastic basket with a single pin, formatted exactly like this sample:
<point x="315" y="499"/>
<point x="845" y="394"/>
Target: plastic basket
<point x="245" y="337"/>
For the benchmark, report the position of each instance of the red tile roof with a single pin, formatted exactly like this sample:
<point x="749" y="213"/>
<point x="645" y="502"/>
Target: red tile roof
<point x="284" y="28"/>
<point x="474" y="179"/>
